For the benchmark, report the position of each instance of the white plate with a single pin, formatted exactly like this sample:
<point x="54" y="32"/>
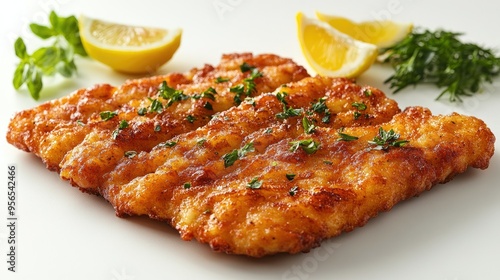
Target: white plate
<point x="448" y="233"/>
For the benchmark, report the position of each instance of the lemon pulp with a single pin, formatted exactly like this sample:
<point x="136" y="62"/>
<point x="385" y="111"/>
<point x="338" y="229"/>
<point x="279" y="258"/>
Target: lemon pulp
<point x="126" y="48"/>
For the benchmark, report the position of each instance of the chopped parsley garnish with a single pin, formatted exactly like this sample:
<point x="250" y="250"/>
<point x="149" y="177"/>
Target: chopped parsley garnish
<point x="287" y="111"/>
<point x="268" y="130"/>
<point x="281" y="97"/>
<point x="357" y="115"/>
<point x="209" y="93"/>
<point x="107" y="115"/>
<point x="345" y="137"/>
<point x="359" y="105"/>
<point x="309" y="146"/>
<point x="169" y="144"/>
<point x="236" y="154"/>
<point x="130" y="154"/>
<point x="293" y="191"/>
<point x="321" y="108"/>
<point x="80" y="123"/>
<point x="123" y="124"/>
<point x="201" y="141"/>
<point x="245" y="67"/>
<point x="187" y="185"/>
<point x="385" y="139"/>
<point x="219" y="80"/>
<point x="171" y="94"/>
<point x="290" y="176"/>
<point x="367" y="92"/>
<point x="308" y="126"/>
<point x="190" y="118"/>
<point x="157" y="128"/>
<point x="254" y="184"/>
<point x="208" y="106"/>
<point x="239" y="90"/>
<point x="328" y="162"/>
<point x="142" y="111"/>
<point x="248" y="86"/>
<point x="156" y="106"/>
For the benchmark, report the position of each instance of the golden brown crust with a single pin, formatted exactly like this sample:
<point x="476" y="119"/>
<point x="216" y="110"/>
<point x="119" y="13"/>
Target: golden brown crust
<point x="70" y="137"/>
<point x="339" y="188"/>
<point x="335" y="189"/>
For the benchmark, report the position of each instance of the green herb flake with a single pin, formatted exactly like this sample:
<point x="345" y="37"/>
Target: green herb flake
<point x="268" y="130"/>
<point x="219" y="80"/>
<point x="142" y="111"/>
<point x="319" y="106"/>
<point x="345" y="137"/>
<point x="208" y="106"/>
<point x="245" y="67"/>
<point x="308" y="126"/>
<point x="231" y="157"/>
<point x="168" y="144"/>
<point x="201" y="141"/>
<point x="289" y="112"/>
<point x="209" y="93"/>
<point x="123" y="124"/>
<point x="357" y="115"/>
<point x="157" y="128"/>
<point x="190" y="118"/>
<point x="130" y="154"/>
<point x="187" y="185"/>
<point x="359" y="105"/>
<point x="293" y="191"/>
<point x="171" y="94"/>
<point x="385" y="139"/>
<point x="107" y="115"/>
<point x="80" y="123"/>
<point x="281" y="96"/>
<point x="367" y="92"/>
<point x="156" y="106"/>
<point x="290" y="176"/>
<point x="254" y="183"/>
<point x="328" y="162"/>
<point x="309" y="146"/>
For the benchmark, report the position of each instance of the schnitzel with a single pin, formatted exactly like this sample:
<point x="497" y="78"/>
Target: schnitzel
<point x="74" y="135"/>
<point x="288" y="187"/>
<point x="252" y="157"/>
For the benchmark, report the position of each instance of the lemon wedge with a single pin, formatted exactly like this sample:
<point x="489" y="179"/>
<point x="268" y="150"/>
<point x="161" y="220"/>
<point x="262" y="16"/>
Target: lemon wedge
<point x="331" y="52"/>
<point x="383" y="34"/>
<point x="129" y="49"/>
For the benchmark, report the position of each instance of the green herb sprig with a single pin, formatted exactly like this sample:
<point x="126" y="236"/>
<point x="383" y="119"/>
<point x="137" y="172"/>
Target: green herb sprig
<point x="48" y="61"/>
<point x="440" y="58"/>
<point x="308" y="145"/>
<point x="385" y="139"/>
<point x="231" y="157"/>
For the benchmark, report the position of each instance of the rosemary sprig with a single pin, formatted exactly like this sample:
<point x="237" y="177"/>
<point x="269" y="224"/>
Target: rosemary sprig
<point x="440" y="58"/>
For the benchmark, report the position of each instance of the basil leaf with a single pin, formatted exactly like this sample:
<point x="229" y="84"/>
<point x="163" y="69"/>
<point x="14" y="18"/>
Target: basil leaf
<point x="19" y="75"/>
<point x="54" y="20"/>
<point x="35" y="84"/>
<point x="42" y="31"/>
<point x="65" y="69"/>
<point x="20" y="48"/>
<point x="47" y="59"/>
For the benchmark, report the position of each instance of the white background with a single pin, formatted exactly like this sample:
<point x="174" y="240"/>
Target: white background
<point x="449" y="233"/>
